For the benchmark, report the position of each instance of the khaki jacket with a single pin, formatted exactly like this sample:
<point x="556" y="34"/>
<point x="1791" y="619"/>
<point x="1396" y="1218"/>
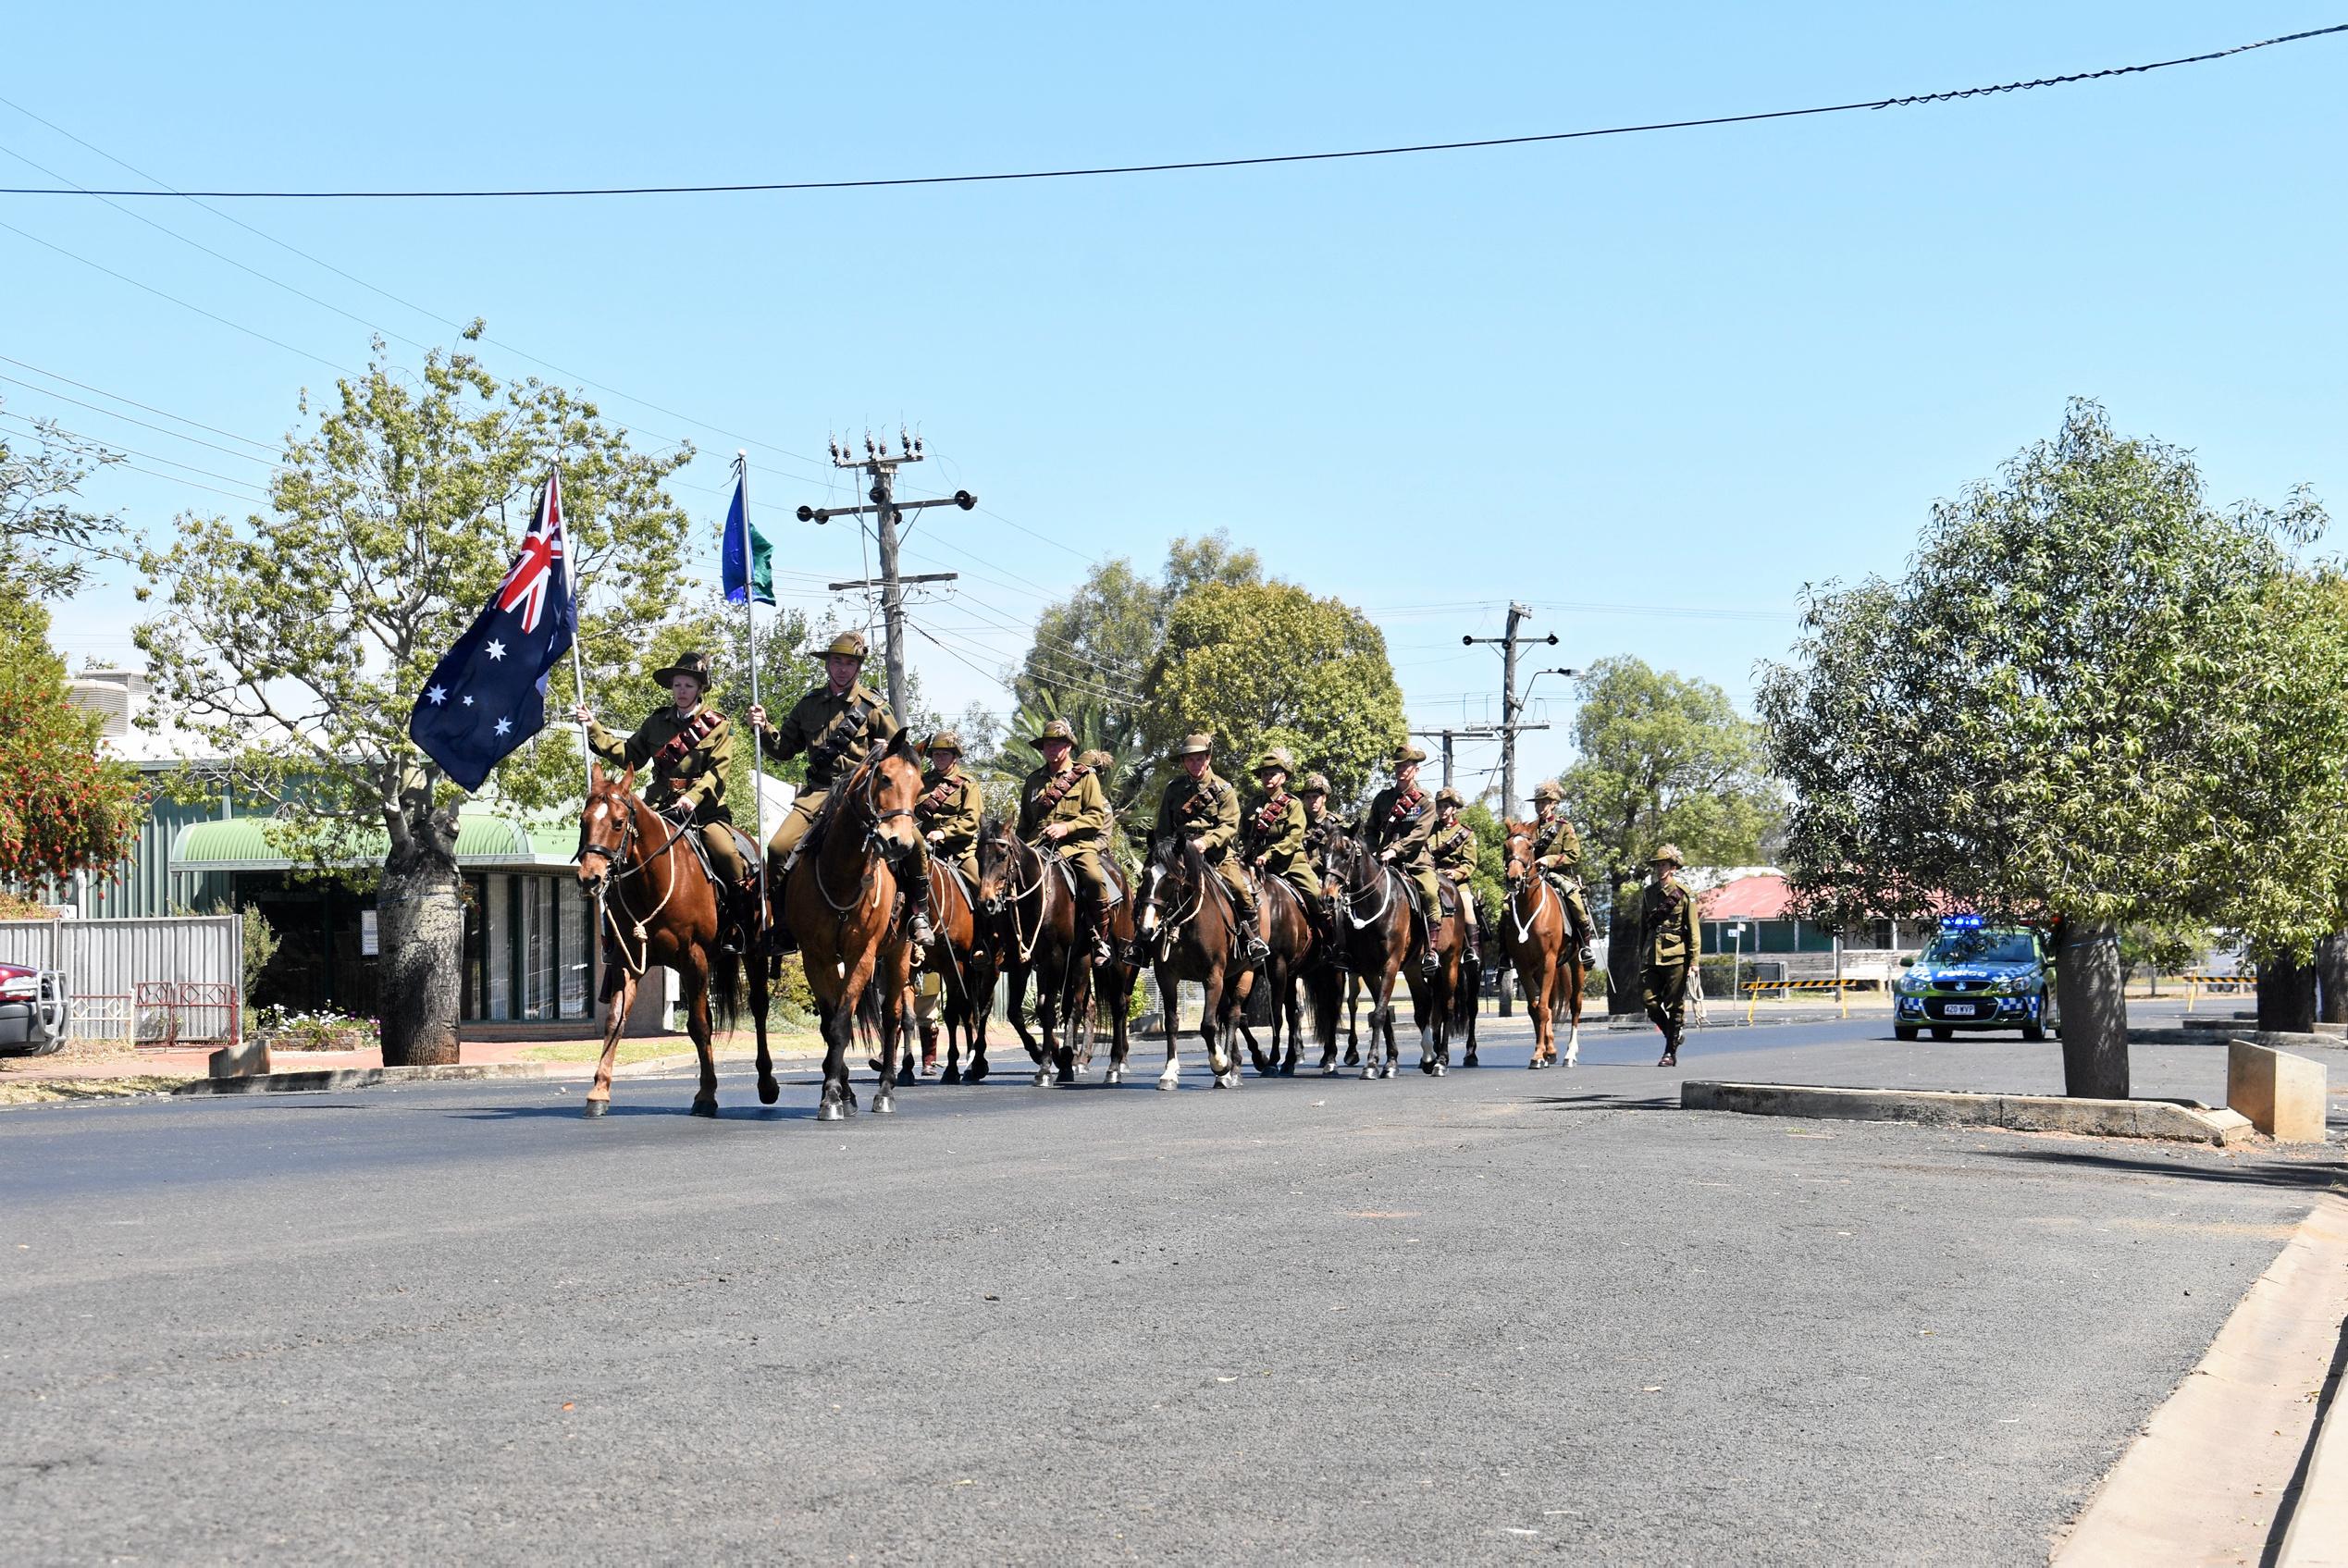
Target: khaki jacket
<point x="684" y="760"/>
<point x="1454" y="850"/>
<point x="1404" y="829"/>
<point x="1079" y="804"/>
<point x="1207" y="809"/>
<point x="952" y="805"/>
<point x="1556" y="846"/>
<point x="836" y="742"/>
<point x="1670" y="928"/>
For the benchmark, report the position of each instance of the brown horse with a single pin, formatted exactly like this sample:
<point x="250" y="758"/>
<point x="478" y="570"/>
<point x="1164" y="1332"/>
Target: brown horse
<point x="1297" y="959"/>
<point x="1110" y="987"/>
<point x="963" y="959"/>
<point x="1379" y="926"/>
<point x="841" y="901"/>
<point x="1536" y="936"/>
<point x="656" y="908"/>
<point x="1030" y="896"/>
<point x="1188" y="927"/>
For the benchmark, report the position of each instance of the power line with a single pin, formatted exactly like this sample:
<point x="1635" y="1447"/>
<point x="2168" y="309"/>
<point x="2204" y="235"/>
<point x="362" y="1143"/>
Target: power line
<point x="132" y="452"/>
<point x="1907" y="101"/>
<point x="93" y="408"/>
<point x="116" y="397"/>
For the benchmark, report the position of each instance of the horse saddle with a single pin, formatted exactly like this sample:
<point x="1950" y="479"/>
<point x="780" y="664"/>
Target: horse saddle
<point x="743" y="846"/>
<point x="960" y="878"/>
<point x="1450" y="891"/>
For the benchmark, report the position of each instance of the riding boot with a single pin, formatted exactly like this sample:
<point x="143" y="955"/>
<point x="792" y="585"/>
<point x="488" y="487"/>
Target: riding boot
<point x="1253" y="950"/>
<point x="1428" y="964"/>
<point x="1104" y="945"/>
<point x="917" y="906"/>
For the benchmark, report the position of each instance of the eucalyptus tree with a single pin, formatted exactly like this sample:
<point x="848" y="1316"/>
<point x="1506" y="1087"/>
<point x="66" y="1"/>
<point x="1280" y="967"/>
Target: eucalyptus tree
<point x="294" y="641"/>
<point x="2094" y="697"/>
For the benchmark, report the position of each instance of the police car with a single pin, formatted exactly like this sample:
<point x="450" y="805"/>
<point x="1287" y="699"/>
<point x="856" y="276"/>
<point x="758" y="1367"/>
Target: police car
<point x="1974" y="975"/>
<point x="33" y="1010"/>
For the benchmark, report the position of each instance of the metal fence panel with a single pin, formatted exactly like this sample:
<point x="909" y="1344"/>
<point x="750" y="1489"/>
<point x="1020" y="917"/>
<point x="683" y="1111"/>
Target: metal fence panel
<point x="114" y="971"/>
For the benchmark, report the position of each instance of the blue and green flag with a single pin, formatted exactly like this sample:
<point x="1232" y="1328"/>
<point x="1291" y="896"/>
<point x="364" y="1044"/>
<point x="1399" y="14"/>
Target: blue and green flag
<point x="748" y="571"/>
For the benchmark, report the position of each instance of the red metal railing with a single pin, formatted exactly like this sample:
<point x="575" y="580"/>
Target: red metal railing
<point x="187" y="1012"/>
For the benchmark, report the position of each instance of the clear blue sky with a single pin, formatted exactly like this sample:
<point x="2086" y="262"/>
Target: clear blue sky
<point x="1677" y="375"/>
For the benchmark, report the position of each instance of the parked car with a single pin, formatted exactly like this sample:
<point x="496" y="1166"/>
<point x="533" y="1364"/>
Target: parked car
<point x="1977" y="976"/>
<point x="33" y="1010"/>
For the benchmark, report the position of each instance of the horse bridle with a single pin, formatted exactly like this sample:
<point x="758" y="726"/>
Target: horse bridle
<point x="868" y="796"/>
<point x="1386" y="876"/>
<point x="1540" y="884"/>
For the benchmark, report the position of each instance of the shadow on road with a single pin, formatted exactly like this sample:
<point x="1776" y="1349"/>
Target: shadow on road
<point x="1605" y="1102"/>
<point x="2312" y="1177"/>
<point x="621" y="1108"/>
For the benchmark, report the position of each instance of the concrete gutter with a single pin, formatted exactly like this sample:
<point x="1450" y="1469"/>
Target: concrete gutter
<point x="2181" y="1120"/>
<point x="2214" y="1034"/>
<point x="2210" y="1477"/>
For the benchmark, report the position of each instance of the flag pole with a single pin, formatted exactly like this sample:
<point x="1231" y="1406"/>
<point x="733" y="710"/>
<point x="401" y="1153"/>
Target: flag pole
<point x="578" y="604"/>
<point x="750" y="629"/>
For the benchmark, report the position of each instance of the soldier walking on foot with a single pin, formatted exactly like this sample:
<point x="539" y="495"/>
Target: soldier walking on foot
<point x="1669" y="941"/>
<point x="1061" y="805"/>
<point x="839" y="724"/>
<point x="1400" y="820"/>
<point x="686" y="750"/>
<point x="1204" y="808"/>
<point x="1557" y="849"/>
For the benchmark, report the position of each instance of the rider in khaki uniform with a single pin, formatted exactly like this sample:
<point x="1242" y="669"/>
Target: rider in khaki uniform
<point x="1400" y="820"/>
<point x="1669" y="936"/>
<point x="686" y="749"/>
<point x="839" y="724"/>
<point x="1272" y="837"/>
<point x="1061" y="805"/>
<point x="951" y="806"/>
<point x="1452" y="848"/>
<point x="1319" y="825"/>
<point x="1557" y="849"/>
<point x="1100" y="763"/>
<point x="1205" y="809"/>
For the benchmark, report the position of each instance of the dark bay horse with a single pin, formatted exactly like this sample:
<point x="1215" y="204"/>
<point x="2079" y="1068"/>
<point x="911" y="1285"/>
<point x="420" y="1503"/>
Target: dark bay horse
<point x="1031" y="897"/>
<point x="841" y="901"/>
<point x="1536" y="936"/>
<point x="963" y="959"/>
<point x="1381" y="927"/>
<point x="1190" y="930"/>
<point x="656" y="908"/>
<point x="1296" y="961"/>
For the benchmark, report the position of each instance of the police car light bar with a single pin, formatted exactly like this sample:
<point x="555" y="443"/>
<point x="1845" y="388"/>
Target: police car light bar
<point x="1961" y="922"/>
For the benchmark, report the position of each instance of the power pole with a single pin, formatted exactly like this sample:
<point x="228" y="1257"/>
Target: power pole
<point x="1510" y="702"/>
<point x="886" y="512"/>
<point x="1465" y="731"/>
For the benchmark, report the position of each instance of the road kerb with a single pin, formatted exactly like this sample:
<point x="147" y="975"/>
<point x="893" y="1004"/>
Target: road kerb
<point x="2178" y="1120"/>
<point x="2209" y="1477"/>
<point x="337" y="1079"/>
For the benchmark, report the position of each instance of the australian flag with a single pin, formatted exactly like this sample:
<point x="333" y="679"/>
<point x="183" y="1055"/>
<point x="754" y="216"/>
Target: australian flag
<point x="487" y="694"/>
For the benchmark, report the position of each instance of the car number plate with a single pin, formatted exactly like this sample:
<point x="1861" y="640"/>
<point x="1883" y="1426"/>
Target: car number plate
<point x="1959" y="1009"/>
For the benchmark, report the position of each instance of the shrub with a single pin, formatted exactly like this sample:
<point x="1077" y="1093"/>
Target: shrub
<point x="322" y="1030"/>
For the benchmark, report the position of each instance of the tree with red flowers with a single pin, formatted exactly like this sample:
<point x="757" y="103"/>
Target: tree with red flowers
<point x="63" y="807"/>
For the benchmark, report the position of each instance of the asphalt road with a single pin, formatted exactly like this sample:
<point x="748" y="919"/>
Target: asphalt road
<point x="1491" y="1317"/>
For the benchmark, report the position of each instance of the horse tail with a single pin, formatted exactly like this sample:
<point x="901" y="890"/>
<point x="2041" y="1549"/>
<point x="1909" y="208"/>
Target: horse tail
<point x="725" y="990"/>
<point x="1463" y="996"/>
<point x="1324" y="984"/>
<point x="868" y="1009"/>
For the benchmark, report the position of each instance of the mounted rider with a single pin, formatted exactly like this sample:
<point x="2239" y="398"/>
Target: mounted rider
<point x="1452" y="847"/>
<point x="1100" y="762"/>
<point x="951" y="806"/>
<point x="1061" y="805"/>
<point x="1203" y="808"/>
<point x="1272" y="835"/>
<point x="1320" y="824"/>
<point x="1401" y="819"/>
<point x="684" y="750"/>
<point x="838" y="723"/>
<point x="1557" y="851"/>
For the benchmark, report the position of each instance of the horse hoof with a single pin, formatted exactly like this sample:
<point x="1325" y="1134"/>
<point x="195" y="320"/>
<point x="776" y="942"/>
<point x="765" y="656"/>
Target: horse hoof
<point x="883" y="1105"/>
<point x="1388" y="1071"/>
<point x="1114" y="1075"/>
<point x="1352" y="1058"/>
<point x="951" y="1075"/>
<point x="769" y="1092"/>
<point x="1288" y="1069"/>
<point x="705" y="1109"/>
<point x="1042" y="1079"/>
<point x="1169" y="1082"/>
<point x="1328" y="1070"/>
<point x="595" y="1108"/>
<point x="977" y="1073"/>
<point x="831" y="1110"/>
<point x="1469" y="1060"/>
<point x="1436" y="1071"/>
<point x="905" y="1075"/>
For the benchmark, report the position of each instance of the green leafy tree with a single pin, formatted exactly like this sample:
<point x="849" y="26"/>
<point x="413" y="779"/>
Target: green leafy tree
<point x="2092" y="697"/>
<point x="1092" y="648"/>
<point x="47" y="541"/>
<point x="1663" y="758"/>
<point x="64" y="808"/>
<point x="295" y="640"/>
<point x="1262" y="664"/>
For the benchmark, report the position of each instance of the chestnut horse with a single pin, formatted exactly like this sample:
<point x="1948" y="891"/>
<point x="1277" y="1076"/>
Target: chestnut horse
<point x="1536" y="936"/>
<point x="842" y="905"/>
<point x="1190" y="927"/>
<point x="656" y="908"/>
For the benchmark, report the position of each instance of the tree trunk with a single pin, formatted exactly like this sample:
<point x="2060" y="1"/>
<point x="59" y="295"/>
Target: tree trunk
<point x="2331" y="977"/>
<point x="420" y="926"/>
<point x="1622" y="956"/>
<point x="2094" y="1013"/>
<point x="2287" y="995"/>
